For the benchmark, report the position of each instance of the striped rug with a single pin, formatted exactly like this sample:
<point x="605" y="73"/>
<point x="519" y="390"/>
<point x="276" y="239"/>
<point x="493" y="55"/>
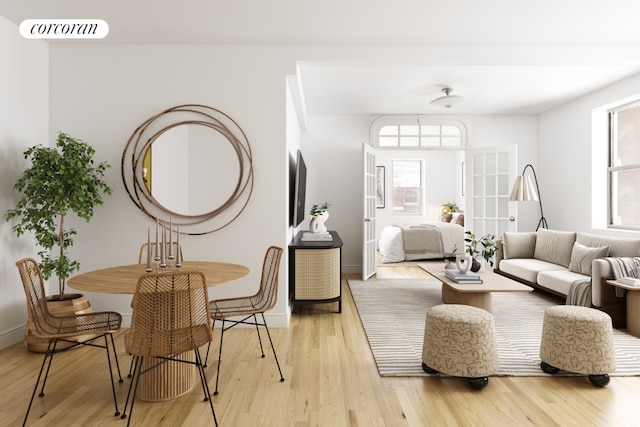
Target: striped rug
<point x="393" y="315"/>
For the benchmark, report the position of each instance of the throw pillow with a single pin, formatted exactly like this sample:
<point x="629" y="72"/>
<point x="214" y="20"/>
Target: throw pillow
<point x="460" y="220"/>
<point x="582" y="256"/>
<point x="519" y="245"/>
<point x="446" y="217"/>
<point x="554" y="246"/>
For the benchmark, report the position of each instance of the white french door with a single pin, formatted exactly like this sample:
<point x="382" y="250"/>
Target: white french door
<point x="369" y="212"/>
<point x="490" y="173"/>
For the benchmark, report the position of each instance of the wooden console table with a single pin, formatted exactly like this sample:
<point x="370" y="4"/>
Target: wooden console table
<point x="633" y="306"/>
<point x="315" y="270"/>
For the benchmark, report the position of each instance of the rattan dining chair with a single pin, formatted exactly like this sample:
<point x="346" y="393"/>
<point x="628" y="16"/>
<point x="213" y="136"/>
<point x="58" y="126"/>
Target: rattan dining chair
<point x="249" y="306"/>
<point x="142" y="259"/>
<point x="170" y="317"/>
<point x="57" y="329"/>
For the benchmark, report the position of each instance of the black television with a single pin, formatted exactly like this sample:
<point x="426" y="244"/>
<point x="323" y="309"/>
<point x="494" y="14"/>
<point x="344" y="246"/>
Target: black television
<point x="299" y="191"/>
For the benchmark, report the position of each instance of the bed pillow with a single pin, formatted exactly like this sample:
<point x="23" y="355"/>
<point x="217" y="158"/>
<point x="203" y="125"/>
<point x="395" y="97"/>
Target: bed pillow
<point x="519" y="244"/>
<point x="446" y="217"/>
<point x="582" y="256"/>
<point x="460" y="220"/>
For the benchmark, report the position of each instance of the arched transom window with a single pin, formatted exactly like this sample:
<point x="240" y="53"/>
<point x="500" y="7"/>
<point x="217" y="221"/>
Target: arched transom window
<point x="417" y="132"/>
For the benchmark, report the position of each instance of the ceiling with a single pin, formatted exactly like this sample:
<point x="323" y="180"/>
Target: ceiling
<point x="502" y="56"/>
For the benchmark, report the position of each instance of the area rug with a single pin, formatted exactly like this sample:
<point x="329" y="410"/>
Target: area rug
<point x="393" y="313"/>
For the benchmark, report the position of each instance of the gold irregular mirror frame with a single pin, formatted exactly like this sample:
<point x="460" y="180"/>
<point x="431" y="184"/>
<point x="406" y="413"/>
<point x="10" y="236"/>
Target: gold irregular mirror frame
<point x="192" y="163"/>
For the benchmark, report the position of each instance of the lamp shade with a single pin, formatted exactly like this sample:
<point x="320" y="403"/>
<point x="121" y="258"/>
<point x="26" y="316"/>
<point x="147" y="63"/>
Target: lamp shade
<point x="524" y="190"/>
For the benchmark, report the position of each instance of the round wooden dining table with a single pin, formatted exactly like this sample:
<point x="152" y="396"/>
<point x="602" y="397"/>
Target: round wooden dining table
<point x="123" y="279"/>
<point x="168" y="380"/>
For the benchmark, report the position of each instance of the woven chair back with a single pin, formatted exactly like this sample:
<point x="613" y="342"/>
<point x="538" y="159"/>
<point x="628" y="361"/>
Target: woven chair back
<point x="267" y="295"/>
<point x="33" y="284"/>
<point x="170" y="314"/>
<point x="142" y="258"/>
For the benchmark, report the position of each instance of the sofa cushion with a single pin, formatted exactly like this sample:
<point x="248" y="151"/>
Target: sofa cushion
<point x="554" y="246"/>
<point x="618" y="247"/>
<point x="559" y="280"/>
<point x="518" y="244"/>
<point x="527" y="268"/>
<point x="582" y="256"/>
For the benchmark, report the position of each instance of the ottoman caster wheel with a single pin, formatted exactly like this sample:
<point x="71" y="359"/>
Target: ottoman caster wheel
<point x="548" y="369"/>
<point x="427" y="369"/>
<point x="599" y="380"/>
<point x="478" y="383"/>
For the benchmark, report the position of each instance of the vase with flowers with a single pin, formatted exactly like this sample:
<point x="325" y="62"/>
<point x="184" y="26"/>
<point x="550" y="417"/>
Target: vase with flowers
<point x="319" y="215"/>
<point x="480" y="247"/>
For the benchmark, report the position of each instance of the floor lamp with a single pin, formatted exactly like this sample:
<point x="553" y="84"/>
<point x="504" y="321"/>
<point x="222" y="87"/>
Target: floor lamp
<point x="524" y="191"/>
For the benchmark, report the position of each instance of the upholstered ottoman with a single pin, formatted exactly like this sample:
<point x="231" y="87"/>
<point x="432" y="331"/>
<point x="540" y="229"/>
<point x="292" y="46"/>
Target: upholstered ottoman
<point x="578" y="339"/>
<point x="460" y="340"/>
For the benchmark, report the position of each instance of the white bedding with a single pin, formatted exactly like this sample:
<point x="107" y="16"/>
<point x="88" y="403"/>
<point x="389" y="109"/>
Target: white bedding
<point x="391" y="246"/>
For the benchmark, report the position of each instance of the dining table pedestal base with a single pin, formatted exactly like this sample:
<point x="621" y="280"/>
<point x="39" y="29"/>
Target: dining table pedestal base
<point x="167" y="381"/>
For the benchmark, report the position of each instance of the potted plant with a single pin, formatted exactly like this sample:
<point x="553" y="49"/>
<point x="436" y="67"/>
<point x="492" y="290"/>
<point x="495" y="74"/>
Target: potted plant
<point x="484" y="247"/>
<point x="319" y="215"/>
<point x="60" y="180"/>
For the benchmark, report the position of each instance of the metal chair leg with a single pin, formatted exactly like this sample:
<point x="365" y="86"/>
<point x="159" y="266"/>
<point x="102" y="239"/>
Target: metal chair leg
<point x="206" y="359"/>
<point x="215" y="393"/>
<point x="255" y="321"/>
<point x="133" y="388"/>
<point x="113" y="386"/>
<point x="35" y="387"/>
<point x="113" y="345"/>
<point x="272" y="347"/>
<point x="205" y="384"/>
<point x="51" y="351"/>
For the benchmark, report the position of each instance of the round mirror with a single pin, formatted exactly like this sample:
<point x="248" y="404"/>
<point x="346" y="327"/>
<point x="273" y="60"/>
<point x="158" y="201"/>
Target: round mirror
<point x="191" y="170"/>
<point x="192" y="163"/>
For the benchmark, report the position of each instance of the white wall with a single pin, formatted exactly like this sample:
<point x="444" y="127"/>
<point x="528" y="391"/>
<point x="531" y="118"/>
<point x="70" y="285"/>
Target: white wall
<point x="101" y="93"/>
<point x="24" y="112"/>
<point x="565" y="151"/>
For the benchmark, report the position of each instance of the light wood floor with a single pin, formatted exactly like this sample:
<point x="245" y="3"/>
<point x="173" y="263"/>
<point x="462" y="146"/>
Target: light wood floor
<point x="331" y="380"/>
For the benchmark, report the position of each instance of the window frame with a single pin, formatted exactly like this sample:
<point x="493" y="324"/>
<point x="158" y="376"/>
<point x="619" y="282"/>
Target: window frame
<point x="612" y="168"/>
<point x="416" y="120"/>
<point x="421" y="188"/>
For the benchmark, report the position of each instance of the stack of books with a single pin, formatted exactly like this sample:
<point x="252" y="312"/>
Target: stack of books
<point x="467" y="278"/>
<point x="631" y="281"/>
<point x="308" y="236"/>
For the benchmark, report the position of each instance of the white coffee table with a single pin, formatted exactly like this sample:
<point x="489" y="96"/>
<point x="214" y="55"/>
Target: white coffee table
<point x="477" y="295"/>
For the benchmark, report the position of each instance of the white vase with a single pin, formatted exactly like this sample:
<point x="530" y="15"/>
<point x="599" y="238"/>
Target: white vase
<point x="314" y="225"/>
<point x="322" y="218"/>
<point x="463" y="262"/>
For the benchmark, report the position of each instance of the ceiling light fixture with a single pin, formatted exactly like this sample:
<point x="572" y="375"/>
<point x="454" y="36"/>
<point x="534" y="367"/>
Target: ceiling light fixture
<point x="448" y="100"/>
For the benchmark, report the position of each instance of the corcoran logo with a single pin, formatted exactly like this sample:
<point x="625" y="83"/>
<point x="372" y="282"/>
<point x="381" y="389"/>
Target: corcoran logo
<point x="64" y="29"/>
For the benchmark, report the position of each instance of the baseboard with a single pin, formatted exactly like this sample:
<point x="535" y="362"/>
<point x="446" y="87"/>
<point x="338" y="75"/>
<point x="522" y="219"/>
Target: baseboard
<point x="11" y="337"/>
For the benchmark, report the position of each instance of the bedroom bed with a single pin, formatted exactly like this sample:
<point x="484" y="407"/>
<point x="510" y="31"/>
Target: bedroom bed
<point x="426" y="240"/>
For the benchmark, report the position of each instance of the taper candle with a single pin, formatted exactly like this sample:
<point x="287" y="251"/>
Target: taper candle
<point x="170" y="238"/>
<point x="155" y="251"/>
<point x="148" y="249"/>
<point x="178" y="260"/>
<point x="163" y="259"/>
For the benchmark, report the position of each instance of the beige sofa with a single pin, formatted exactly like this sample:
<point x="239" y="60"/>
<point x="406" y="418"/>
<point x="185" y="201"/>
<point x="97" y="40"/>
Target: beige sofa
<point x="553" y="260"/>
